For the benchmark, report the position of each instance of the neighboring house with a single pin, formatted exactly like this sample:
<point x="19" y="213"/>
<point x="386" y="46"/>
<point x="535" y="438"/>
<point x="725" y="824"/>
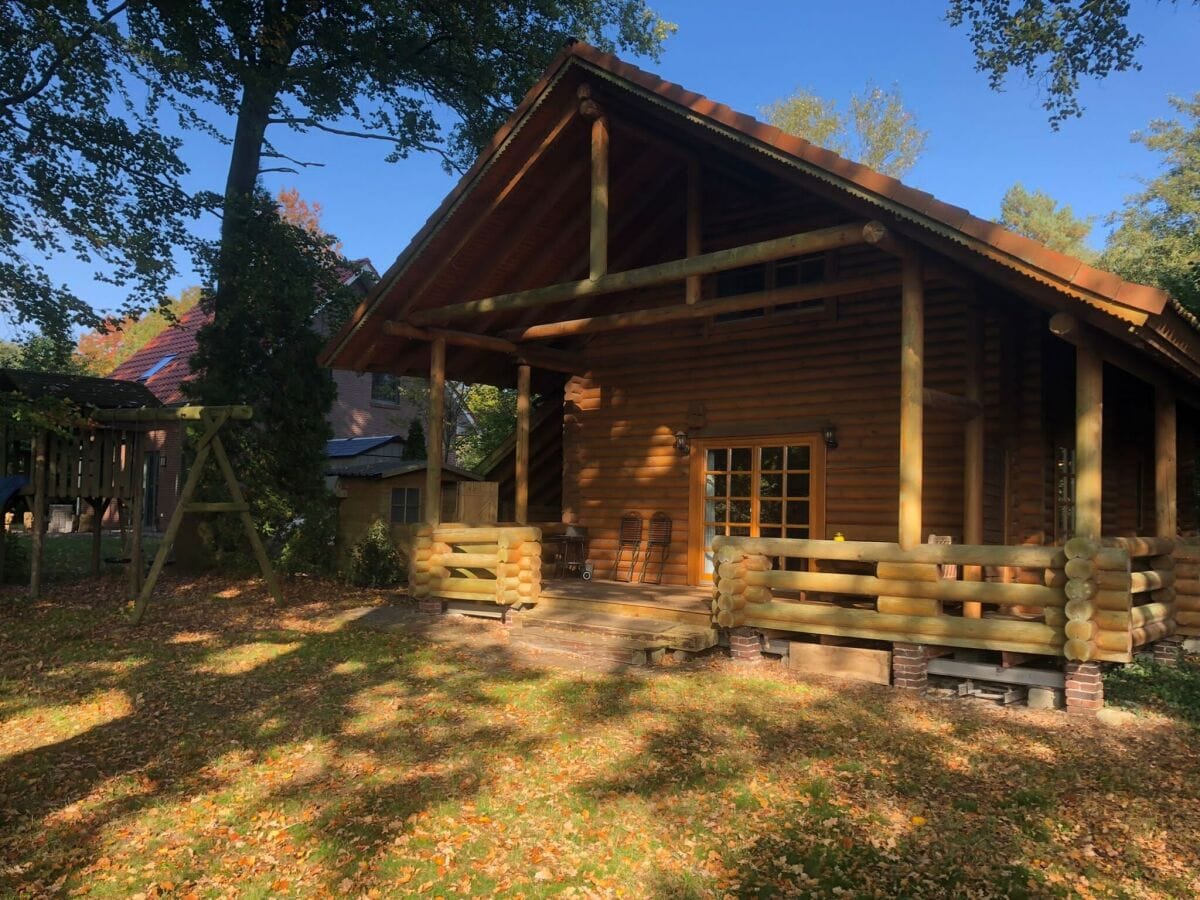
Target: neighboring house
<point x="867" y="414"/>
<point x="164" y="364"/>
<point x="372" y="480"/>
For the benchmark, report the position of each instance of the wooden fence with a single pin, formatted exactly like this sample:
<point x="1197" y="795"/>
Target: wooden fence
<point x="1094" y="600"/>
<point x="495" y="563"/>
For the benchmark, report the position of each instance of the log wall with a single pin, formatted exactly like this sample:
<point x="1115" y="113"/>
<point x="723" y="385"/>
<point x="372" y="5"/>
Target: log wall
<point x="839" y="365"/>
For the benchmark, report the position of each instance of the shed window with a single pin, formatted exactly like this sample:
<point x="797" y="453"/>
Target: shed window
<point x="406" y="506"/>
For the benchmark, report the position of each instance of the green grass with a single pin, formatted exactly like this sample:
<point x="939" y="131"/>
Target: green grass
<point x="1174" y="690"/>
<point x="68" y="557"/>
<point x="229" y="747"/>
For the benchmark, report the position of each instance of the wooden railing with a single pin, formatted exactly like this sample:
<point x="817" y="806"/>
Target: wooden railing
<point x="1187" y="589"/>
<point x="493" y="563"/>
<point x="1091" y="602"/>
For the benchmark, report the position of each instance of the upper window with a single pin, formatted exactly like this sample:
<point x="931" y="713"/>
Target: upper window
<point x="156" y="368"/>
<point x="406" y="506"/>
<point x="783" y="273"/>
<point x="385" y="387"/>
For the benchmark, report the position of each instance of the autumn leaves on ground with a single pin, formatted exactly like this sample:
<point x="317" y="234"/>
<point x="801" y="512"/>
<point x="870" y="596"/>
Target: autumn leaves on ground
<point x="230" y="748"/>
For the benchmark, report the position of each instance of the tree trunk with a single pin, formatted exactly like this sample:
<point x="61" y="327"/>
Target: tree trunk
<point x="244" y="163"/>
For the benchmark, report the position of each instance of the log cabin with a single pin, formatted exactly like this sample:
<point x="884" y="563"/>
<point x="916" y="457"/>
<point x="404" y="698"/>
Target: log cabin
<point x="863" y="416"/>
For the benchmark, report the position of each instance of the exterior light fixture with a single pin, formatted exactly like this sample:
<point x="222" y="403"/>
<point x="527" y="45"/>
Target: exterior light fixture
<point x="829" y="433"/>
<point x="682" y="446"/>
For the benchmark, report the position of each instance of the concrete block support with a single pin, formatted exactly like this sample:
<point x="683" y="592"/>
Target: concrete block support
<point x="431" y="606"/>
<point x="1085" y="687"/>
<point x="910" y="667"/>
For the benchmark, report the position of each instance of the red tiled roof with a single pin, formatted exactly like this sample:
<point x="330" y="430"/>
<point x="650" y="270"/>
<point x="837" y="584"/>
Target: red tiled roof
<point x="178" y="341"/>
<point x="1029" y="257"/>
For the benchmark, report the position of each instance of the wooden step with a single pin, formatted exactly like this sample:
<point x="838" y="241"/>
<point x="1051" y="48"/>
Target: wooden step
<point x="588" y="644"/>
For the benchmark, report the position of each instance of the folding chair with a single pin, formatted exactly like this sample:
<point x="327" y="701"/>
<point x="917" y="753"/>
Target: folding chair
<point x="660" y="540"/>
<point x="631" y="540"/>
<point x="948" y="572"/>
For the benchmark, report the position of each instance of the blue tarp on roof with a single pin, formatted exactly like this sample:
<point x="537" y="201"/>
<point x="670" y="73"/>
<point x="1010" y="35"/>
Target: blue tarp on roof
<point x="343" y="447"/>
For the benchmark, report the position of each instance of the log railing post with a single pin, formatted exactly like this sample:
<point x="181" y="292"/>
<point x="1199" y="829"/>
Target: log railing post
<point x="435" y="431"/>
<point x="521" y="466"/>
<point x="912" y="399"/>
<point x="1089" y="431"/>
<point x="1165" y="467"/>
<point x="973" y="449"/>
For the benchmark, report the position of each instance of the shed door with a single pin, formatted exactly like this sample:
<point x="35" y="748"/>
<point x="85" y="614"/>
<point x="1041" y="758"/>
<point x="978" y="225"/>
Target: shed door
<point x="762" y="487"/>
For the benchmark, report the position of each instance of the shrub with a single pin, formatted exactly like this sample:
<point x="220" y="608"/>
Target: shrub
<point x="374" y="560"/>
<point x="1174" y="690"/>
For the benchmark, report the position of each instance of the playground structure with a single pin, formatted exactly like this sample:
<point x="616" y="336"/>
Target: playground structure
<point x="101" y="460"/>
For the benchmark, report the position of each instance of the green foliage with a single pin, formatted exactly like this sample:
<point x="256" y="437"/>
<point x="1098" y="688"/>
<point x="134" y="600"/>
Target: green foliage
<point x="492" y="416"/>
<point x="414" y="441"/>
<point x="1053" y="42"/>
<point x="878" y="131"/>
<point x="374" y="560"/>
<point x="1174" y="690"/>
<point x="261" y="350"/>
<point x="106" y="347"/>
<point x="308" y="545"/>
<point x="1157" y="239"/>
<point x="1037" y="215"/>
<point x="86" y="169"/>
<point x="51" y="351"/>
<point x="16" y="559"/>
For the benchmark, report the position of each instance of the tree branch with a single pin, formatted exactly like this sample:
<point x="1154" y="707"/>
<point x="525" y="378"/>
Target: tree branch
<point x="302" y="123"/>
<point x="61" y="57"/>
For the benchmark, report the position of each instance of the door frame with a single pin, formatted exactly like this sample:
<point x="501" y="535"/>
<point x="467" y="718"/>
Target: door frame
<point x="696" y="494"/>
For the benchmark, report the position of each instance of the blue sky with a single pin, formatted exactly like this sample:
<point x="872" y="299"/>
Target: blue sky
<point x="747" y="55"/>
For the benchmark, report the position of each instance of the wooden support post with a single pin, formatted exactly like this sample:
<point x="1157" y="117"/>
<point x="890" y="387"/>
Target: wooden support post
<point x="599" y="238"/>
<point x="99" y="507"/>
<point x="973" y="437"/>
<point x="522" y="454"/>
<point x="1165" y="468"/>
<point x="243" y="509"/>
<point x="38" y="548"/>
<point x="435" y="431"/>
<point x="1089" y="431"/>
<point x="136" y="462"/>
<point x="692" y="285"/>
<point x="912" y="403"/>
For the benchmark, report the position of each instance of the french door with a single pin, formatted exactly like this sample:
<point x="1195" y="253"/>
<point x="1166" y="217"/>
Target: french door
<point x="759" y="487"/>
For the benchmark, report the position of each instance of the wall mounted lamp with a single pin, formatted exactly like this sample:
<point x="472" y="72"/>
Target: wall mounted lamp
<point x="682" y="446"/>
<point x="829" y="433"/>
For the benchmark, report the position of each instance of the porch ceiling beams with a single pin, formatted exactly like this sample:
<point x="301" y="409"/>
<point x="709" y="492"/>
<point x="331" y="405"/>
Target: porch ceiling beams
<point x="652" y="276"/>
<point x="681" y="311"/>
<point x="542" y="358"/>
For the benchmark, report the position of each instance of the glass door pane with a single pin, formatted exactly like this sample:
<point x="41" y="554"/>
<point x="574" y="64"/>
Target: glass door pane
<point x="760" y="490"/>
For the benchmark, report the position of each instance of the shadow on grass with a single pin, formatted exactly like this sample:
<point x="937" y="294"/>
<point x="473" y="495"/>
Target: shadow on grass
<point x="384" y="751"/>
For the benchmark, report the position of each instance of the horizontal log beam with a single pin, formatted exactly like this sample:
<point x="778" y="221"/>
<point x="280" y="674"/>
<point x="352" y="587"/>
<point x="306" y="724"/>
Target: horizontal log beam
<point x="681" y="311"/>
<point x="542" y="358"/>
<point x="171" y="414"/>
<point x="652" y="276"/>
<point x="1031" y="556"/>
<point x="931" y="629"/>
<point x="952" y="403"/>
<point x="869" y="585"/>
